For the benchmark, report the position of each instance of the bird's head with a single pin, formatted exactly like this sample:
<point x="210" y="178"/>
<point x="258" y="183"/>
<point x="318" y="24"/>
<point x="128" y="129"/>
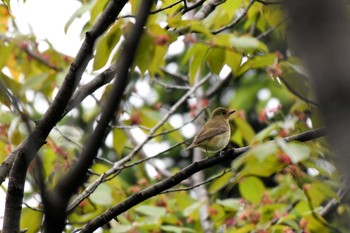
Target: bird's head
<point x="222" y="112"/>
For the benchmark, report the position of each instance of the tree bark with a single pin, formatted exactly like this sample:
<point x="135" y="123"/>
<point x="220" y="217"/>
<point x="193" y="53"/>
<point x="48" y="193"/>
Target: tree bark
<point x="319" y="32"/>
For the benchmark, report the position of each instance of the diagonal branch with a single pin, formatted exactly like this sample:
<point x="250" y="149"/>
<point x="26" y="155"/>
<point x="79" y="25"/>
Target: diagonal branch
<point x="207" y="9"/>
<point x="118" y="166"/>
<point x="56" y="201"/>
<point x="28" y="148"/>
<point x="188" y="171"/>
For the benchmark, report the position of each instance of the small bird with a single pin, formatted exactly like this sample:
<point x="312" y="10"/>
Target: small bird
<point x="215" y="133"/>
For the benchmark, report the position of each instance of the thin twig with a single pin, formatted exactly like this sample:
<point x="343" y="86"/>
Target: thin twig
<point x="120" y="165"/>
<point x="265" y="33"/>
<point x="268" y="2"/>
<point x="175" y="75"/>
<point x="293" y="91"/>
<point x="186" y="172"/>
<point x="171" y="86"/>
<point x="155" y="11"/>
<point x="41" y="60"/>
<point x="193" y="6"/>
<point x="237" y="20"/>
<point x="175" y="129"/>
<point x="207" y="9"/>
<point x="197" y="185"/>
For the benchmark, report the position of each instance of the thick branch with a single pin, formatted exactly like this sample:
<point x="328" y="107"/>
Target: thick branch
<point x="56" y="202"/>
<point x="37" y="137"/>
<point x="188" y="171"/>
<point x="207" y="9"/>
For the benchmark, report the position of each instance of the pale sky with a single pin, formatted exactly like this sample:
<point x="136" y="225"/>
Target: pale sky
<point x="47" y="18"/>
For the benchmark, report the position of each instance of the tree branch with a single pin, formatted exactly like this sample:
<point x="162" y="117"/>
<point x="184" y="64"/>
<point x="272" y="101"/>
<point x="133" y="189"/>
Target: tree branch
<point x="57" y="200"/>
<point x="29" y="147"/>
<point x="118" y="166"/>
<point x="207" y="9"/>
<point x="188" y="171"/>
<point x="90" y="87"/>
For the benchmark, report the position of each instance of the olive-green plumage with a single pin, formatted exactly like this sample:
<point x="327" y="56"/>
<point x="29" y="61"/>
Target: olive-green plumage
<point x="215" y="133"/>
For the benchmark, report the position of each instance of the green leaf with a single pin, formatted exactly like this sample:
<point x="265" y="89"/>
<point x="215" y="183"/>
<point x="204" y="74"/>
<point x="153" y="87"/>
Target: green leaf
<point x="34" y="83"/>
<point x="258" y="62"/>
<point x="78" y="13"/>
<point x="247" y="43"/>
<point x="247" y="228"/>
<point x="233" y="60"/>
<point x="6" y="51"/>
<point x="119" y="141"/>
<point x="197" y="60"/>
<point x="97" y="9"/>
<point x="195" y="55"/>
<point x="260" y="160"/>
<point x="220" y="183"/>
<point x="320" y="191"/>
<point x="252" y="189"/>
<point x="230" y="203"/>
<point x="192" y="210"/>
<point x="106" y="44"/>
<point x="31" y="220"/>
<point x="150" y="210"/>
<point x="296" y="151"/>
<point x="145" y="53"/>
<point x="197" y="27"/>
<point x="102" y="195"/>
<point x="216" y="59"/>
<point x="245" y="128"/>
<point x="169" y="228"/>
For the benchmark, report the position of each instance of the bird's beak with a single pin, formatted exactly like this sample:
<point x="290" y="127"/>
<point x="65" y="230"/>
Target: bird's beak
<point x="231" y="111"/>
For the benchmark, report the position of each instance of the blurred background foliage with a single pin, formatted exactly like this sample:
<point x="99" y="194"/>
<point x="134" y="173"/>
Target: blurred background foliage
<point x="274" y="187"/>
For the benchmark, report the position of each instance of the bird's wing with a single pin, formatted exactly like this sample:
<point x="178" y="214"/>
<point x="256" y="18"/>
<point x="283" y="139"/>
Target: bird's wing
<point x="205" y="133"/>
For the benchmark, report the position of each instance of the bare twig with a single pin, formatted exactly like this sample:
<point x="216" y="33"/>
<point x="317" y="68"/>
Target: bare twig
<point x="175" y="75"/>
<point x="295" y="92"/>
<point x="41" y="60"/>
<point x="332" y="205"/>
<point x="196" y="185"/>
<point x="265" y="33"/>
<point x="191" y="7"/>
<point x="90" y="87"/>
<point x="120" y="165"/>
<point x="171" y="86"/>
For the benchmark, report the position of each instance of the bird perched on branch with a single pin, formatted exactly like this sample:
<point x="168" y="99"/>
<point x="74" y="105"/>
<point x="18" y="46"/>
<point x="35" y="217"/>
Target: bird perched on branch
<point x="215" y="133"/>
